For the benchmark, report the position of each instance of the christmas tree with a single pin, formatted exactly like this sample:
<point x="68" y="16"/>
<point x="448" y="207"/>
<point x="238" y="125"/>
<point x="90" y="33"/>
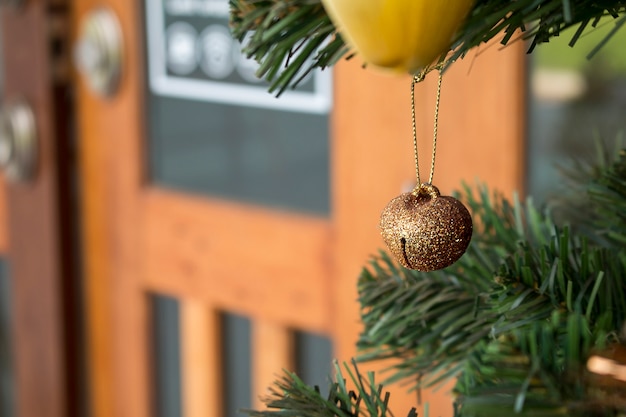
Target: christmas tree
<point x="530" y="320"/>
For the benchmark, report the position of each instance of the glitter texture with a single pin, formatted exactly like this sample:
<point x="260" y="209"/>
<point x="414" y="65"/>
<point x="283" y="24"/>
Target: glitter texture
<point x="424" y="230"/>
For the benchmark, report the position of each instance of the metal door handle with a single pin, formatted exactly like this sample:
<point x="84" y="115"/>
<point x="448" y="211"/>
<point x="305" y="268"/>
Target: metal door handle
<point x="18" y="141"/>
<point x="98" y="53"/>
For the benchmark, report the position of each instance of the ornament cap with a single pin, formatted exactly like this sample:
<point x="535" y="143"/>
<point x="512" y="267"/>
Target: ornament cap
<point x="426" y="189"/>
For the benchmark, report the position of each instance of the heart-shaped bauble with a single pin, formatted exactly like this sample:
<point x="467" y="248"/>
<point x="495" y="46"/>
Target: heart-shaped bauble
<point x="404" y="35"/>
<point x="424" y="230"/>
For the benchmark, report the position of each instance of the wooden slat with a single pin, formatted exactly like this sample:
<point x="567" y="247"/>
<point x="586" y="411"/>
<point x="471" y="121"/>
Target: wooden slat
<point x="273" y="352"/>
<point x="200" y="359"/>
<point x="98" y="270"/>
<point x="111" y="176"/>
<point x="256" y="262"/>
<point x="481" y="135"/>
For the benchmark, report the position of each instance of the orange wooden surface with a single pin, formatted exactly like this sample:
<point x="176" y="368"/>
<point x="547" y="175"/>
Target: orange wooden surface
<point x="273" y="352"/>
<point x="264" y="263"/>
<point x="200" y="363"/>
<point x="481" y="136"/>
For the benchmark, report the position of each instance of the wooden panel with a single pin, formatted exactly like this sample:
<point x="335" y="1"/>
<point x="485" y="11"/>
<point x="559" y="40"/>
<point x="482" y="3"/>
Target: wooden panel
<point x="253" y="261"/>
<point x="97" y="268"/>
<point x="273" y="351"/>
<point x="34" y="251"/>
<point x="481" y="135"/>
<point x="201" y="365"/>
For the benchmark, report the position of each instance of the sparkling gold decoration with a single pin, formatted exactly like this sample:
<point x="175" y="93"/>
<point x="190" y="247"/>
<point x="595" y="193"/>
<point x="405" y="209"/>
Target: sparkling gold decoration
<point x="424" y="230"/>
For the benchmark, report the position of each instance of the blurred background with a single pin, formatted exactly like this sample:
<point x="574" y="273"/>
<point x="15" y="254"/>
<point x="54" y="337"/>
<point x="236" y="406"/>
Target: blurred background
<point x="575" y="102"/>
<point x="172" y="236"/>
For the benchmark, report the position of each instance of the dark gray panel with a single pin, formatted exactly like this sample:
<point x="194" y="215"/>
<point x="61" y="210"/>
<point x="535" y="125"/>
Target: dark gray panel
<point x="6" y="372"/>
<point x="236" y="356"/>
<point x="167" y="367"/>
<point x="258" y="156"/>
<point x="314" y="354"/>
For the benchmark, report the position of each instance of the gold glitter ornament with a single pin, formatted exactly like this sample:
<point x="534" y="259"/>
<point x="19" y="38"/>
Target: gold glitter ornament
<point x="424" y="230"/>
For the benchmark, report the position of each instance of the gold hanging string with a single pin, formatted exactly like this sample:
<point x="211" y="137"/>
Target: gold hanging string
<point x="416" y="79"/>
<point x="435" y="128"/>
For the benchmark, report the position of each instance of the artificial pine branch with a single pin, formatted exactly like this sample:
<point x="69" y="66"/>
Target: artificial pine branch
<point x="291" y="397"/>
<point x="564" y="281"/>
<point x="535" y="319"/>
<point x="514" y="321"/>
<point x="289" y="38"/>
<point x="432" y="320"/>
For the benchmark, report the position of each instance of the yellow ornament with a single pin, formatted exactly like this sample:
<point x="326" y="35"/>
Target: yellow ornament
<point x="403" y="35"/>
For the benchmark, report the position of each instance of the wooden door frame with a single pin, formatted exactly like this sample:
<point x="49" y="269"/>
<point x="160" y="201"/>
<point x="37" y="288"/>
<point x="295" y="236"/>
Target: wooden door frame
<point x="126" y="221"/>
<point x="371" y="162"/>
<point x="40" y="220"/>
